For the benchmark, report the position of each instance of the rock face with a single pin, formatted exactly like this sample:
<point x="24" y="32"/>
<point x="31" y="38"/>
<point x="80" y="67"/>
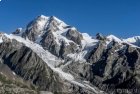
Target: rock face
<point x="115" y="69"/>
<point x="100" y="36"/>
<point x="97" y="52"/>
<point x="18" y="31"/>
<point x="54" y="35"/>
<point x="67" y="49"/>
<point x="74" y="36"/>
<point x="29" y="66"/>
<point x="49" y="43"/>
<point x="25" y="63"/>
<point x="112" y="69"/>
<point x="35" y="28"/>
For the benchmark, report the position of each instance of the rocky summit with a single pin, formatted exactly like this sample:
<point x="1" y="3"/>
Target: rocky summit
<point x="51" y="57"/>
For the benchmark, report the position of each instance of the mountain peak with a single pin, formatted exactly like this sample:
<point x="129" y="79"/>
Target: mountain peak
<point x="55" y="18"/>
<point x="112" y="37"/>
<point x="52" y="17"/>
<point x="42" y="17"/>
<point x="133" y="40"/>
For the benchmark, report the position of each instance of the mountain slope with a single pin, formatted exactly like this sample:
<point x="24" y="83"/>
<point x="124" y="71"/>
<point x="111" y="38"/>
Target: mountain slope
<point x="17" y="59"/>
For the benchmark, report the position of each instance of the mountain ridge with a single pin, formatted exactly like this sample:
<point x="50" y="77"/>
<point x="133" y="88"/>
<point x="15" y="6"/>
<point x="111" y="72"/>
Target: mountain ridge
<point x="83" y="64"/>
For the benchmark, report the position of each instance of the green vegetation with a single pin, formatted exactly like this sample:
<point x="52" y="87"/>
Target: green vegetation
<point x="8" y="86"/>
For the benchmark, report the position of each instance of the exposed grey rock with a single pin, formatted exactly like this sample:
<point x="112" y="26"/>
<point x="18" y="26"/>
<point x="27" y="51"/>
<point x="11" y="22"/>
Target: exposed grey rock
<point x="48" y="42"/>
<point x="116" y="70"/>
<point x="47" y="39"/>
<point x="97" y="52"/>
<point x="67" y="49"/>
<point x="74" y="35"/>
<point x="100" y="36"/>
<point x="18" y="31"/>
<point x="29" y="66"/>
<point x="25" y="63"/>
<point x="113" y="68"/>
<point x="53" y="24"/>
<point x="34" y="28"/>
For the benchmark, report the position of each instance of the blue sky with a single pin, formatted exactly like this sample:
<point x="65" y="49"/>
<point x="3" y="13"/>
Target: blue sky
<point x="118" y="17"/>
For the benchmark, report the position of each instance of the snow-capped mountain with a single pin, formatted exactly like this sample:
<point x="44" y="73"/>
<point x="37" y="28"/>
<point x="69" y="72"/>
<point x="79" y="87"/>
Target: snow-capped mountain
<point x="133" y="40"/>
<point x="56" y="57"/>
<point x="55" y="35"/>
